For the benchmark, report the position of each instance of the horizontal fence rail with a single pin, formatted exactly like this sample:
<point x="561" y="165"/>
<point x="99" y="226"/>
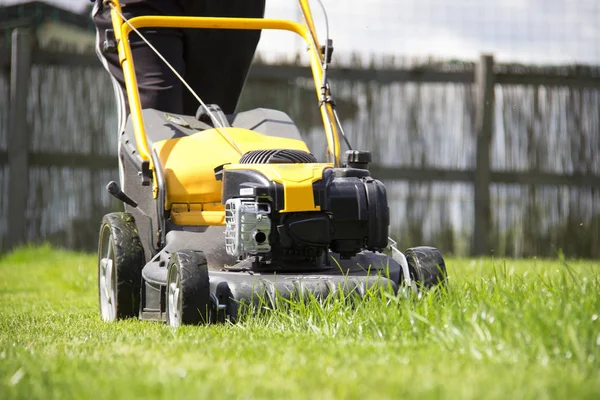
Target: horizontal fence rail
<point x="424" y="74"/>
<point x="409" y="174"/>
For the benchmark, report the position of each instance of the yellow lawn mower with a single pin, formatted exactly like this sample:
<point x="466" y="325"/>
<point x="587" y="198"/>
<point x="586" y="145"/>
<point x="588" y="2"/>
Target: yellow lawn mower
<point x="222" y="210"/>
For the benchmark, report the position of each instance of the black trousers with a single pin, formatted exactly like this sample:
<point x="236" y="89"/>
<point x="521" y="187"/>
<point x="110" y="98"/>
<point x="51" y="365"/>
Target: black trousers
<point x="214" y="62"/>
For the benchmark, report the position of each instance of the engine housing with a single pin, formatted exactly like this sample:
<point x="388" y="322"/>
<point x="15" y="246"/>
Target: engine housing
<point x="352" y="216"/>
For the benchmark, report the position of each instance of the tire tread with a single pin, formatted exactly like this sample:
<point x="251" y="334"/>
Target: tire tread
<point x="427" y="266"/>
<point x="195" y="285"/>
<point x="129" y="260"/>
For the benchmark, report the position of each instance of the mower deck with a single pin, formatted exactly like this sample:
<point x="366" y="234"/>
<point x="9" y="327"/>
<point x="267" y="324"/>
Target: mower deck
<point x="232" y="287"/>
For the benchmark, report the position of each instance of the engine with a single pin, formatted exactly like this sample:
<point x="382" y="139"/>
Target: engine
<point x="351" y="214"/>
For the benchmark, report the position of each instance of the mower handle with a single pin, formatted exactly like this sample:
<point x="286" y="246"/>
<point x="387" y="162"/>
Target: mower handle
<point x="122" y="29"/>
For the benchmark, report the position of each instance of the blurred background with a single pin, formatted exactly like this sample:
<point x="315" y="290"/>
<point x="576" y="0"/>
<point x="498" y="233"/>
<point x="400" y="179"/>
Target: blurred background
<point x="483" y="118"/>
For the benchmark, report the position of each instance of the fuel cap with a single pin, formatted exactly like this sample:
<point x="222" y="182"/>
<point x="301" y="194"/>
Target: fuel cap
<point x="358" y="159"/>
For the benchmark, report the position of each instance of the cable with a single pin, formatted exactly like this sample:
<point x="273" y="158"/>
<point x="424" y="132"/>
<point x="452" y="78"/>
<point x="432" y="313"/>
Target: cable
<point x="326" y="118"/>
<point x="325" y="68"/>
<point x="324" y="86"/>
<point x="183" y="81"/>
<point x="339" y="124"/>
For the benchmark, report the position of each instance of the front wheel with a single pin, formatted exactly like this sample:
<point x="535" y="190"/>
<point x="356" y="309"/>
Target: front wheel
<point x="427" y="267"/>
<point x="120" y="262"/>
<point x="188" y="290"/>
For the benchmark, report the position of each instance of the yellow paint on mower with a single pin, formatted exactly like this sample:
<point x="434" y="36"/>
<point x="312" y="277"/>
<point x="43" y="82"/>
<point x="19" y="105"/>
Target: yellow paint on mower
<point x="189" y="163"/>
<point x="297" y="181"/>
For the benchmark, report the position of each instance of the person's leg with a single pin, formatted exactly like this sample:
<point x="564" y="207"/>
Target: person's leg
<point x="159" y="88"/>
<point x="217" y="61"/>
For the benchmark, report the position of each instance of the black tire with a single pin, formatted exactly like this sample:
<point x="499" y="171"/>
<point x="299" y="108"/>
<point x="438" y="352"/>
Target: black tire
<point x="120" y="249"/>
<point x="427" y="267"/>
<point x="188" y="289"/>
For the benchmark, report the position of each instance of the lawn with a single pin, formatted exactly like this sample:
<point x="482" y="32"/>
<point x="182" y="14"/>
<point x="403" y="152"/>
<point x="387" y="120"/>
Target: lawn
<point x="504" y="329"/>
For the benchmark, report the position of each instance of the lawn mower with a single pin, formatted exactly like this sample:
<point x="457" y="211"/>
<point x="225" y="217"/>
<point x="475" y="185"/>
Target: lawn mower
<point x="224" y="210"/>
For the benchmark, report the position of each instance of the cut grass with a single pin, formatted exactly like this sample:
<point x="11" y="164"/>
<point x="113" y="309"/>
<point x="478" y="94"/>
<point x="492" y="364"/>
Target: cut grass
<point x="503" y="329"/>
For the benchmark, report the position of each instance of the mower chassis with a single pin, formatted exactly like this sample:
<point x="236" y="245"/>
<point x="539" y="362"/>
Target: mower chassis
<point x="229" y="287"/>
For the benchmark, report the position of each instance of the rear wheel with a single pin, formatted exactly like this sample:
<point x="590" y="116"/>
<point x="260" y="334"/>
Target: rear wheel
<point x="427" y="267"/>
<point x="188" y="290"/>
<point x="120" y="262"/>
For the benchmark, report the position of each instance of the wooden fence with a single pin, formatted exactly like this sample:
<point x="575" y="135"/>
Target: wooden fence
<point x="485" y="76"/>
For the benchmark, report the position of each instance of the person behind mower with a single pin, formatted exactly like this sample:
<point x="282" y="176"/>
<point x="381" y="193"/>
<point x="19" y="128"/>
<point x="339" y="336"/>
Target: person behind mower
<point x="214" y="62"/>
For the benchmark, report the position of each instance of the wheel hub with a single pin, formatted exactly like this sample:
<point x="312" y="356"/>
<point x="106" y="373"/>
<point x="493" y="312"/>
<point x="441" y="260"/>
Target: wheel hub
<point x="107" y="290"/>
<point x="174" y="309"/>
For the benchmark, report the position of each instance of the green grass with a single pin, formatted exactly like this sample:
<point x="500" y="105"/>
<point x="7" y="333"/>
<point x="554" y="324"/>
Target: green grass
<point x="503" y="330"/>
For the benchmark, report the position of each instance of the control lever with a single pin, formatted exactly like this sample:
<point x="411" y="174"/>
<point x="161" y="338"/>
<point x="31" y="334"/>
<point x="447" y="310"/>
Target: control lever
<point x="114" y="189"/>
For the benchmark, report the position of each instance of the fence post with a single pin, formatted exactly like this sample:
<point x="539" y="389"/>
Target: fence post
<point x="18" y="138"/>
<point x="484" y="125"/>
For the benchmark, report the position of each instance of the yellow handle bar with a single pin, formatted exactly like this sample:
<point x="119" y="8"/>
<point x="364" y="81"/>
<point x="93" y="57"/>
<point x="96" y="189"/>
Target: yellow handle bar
<point x="122" y="30"/>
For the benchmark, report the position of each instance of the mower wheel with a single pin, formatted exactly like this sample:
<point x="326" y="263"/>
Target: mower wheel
<point x="426" y="266"/>
<point x="120" y="262"/>
<point x="188" y="290"/>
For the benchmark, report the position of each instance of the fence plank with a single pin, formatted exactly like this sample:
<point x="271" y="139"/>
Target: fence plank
<point x="484" y="125"/>
<point x="18" y="138"/>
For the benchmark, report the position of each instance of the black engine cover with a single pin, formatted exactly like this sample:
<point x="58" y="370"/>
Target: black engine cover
<point x="354" y="213"/>
<point x="358" y="207"/>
